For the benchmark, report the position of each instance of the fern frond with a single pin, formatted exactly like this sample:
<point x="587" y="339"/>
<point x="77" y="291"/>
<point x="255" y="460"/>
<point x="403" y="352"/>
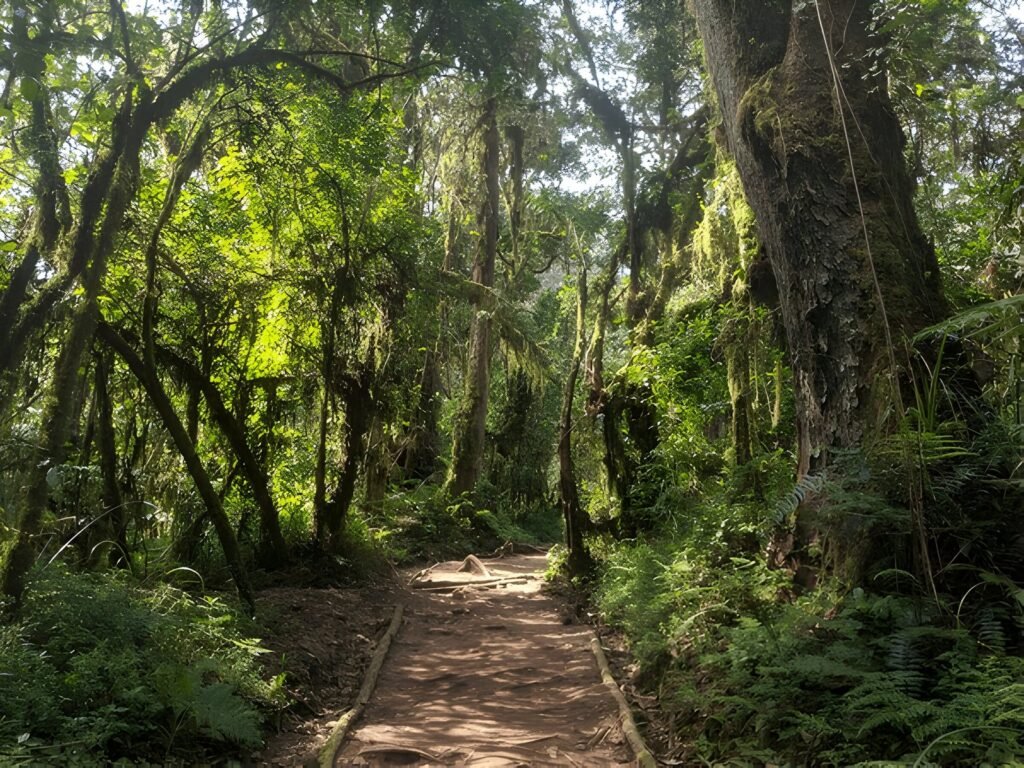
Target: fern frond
<point x="788" y="504"/>
<point x="223" y="715"/>
<point x="992" y="317"/>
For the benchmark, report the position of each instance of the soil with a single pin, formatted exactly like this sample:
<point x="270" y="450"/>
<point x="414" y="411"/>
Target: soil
<point x="322" y="639"/>
<point x="482" y="672"/>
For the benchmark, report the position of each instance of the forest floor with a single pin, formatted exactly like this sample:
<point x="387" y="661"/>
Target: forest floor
<point x="323" y="640"/>
<point x="480" y="673"/>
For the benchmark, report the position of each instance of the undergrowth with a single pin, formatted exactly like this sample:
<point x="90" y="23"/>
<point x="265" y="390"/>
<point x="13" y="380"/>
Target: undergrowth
<point x="868" y="666"/>
<point x="821" y="679"/>
<point x="418" y="525"/>
<point x="98" y="668"/>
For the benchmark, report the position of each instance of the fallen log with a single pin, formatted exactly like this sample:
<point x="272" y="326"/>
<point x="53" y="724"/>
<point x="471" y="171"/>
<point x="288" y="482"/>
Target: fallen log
<point x="644" y="757"/>
<point x="455" y="584"/>
<point x="328" y="753"/>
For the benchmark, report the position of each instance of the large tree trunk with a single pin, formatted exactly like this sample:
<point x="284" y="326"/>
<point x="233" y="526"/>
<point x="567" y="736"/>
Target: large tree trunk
<point x="468" y="442"/>
<point x="850" y="287"/>
<point x="573" y="514"/>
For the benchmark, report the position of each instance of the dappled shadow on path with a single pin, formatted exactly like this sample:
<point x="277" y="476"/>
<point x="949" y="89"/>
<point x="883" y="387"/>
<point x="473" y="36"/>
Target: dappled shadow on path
<point x="489" y="676"/>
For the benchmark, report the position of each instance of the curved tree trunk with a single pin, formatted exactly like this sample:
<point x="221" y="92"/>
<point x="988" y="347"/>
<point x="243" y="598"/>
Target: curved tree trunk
<point x="359" y="412"/>
<point x="273" y="549"/>
<point x="844" y="304"/>
<point x="172" y="423"/>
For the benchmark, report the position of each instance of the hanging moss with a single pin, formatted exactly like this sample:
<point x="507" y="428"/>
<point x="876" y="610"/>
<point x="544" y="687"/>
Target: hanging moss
<point x="725" y="241"/>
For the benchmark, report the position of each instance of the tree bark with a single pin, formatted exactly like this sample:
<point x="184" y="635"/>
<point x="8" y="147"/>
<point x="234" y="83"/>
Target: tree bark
<point x="106" y="441"/>
<point x="468" y="440"/>
<point x="573" y="514"/>
<point x="832" y="199"/>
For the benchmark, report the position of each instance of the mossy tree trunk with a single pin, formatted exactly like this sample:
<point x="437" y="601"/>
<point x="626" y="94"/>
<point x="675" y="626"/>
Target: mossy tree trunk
<point x="359" y="413"/>
<point x="469" y="433"/>
<point x="378" y="466"/>
<point x="573" y="514"/>
<point x="273" y="550"/>
<point x="106" y="441"/>
<point x="844" y="303"/>
<point x="738" y="366"/>
<point x="59" y="411"/>
<point x="421" y="457"/>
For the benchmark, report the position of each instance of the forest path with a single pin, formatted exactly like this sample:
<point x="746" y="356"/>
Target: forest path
<point x="488" y="675"/>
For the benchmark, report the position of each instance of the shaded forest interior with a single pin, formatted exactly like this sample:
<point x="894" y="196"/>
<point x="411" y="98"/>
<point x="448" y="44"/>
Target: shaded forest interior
<point x="723" y="301"/>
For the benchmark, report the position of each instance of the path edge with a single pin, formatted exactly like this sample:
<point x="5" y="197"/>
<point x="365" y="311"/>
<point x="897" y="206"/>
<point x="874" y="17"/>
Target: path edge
<point x="644" y="757"/>
<point x="329" y="751"/>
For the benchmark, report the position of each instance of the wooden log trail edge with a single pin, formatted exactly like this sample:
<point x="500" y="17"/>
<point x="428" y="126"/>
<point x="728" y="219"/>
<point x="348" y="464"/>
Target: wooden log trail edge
<point x="330" y="748"/>
<point x="644" y="757"/>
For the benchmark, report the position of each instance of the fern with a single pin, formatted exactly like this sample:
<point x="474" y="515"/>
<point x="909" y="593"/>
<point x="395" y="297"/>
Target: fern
<point x="905" y="665"/>
<point x="789" y="503"/>
<point x="989" y="627"/>
<point x="213" y="709"/>
<point x="221" y="714"/>
<point x="994" y="318"/>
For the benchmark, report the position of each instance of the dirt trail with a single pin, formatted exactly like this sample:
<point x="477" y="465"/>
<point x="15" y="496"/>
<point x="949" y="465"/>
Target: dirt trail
<point x="488" y="676"/>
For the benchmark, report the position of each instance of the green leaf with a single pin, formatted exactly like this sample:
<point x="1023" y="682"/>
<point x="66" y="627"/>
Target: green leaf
<point x="29" y="89"/>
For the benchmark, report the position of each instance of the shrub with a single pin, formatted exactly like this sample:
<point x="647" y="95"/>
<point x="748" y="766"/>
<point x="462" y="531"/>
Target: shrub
<point x="97" y="666"/>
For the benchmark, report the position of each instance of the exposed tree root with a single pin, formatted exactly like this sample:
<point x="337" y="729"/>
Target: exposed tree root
<point x="473" y="564"/>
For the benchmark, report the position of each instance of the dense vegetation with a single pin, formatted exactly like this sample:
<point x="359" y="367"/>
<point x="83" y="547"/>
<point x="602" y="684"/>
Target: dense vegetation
<point x="726" y="297"/>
